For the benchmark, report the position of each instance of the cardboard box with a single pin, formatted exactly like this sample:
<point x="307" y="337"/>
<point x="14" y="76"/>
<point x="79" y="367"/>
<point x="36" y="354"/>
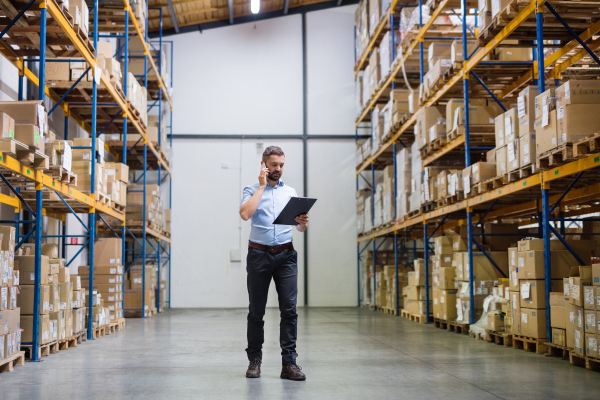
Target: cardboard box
<point x="558" y="317"/>
<point x="57" y="71"/>
<point x="533" y="293"/>
<point x="63" y="275"/>
<point x="426" y="118"/>
<point x="495" y="321"/>
<point x="579" y="277"/>
<point x="579" y="345"/>
<point x="596" y="274"/>
<point x="481" y="171"/>
<point x="589" y="318"/>
<point x="538" y="244"/>
<point x="526" y="110"/>
<point x="577" y="121"/>
<point x="50" y="250"/>
<point x="591" y="345"/>
<point x="579" y="92"/>
<point x="27" y="326"/>
<point x="501" y="161"/>
<point x="107" y="252"/>
<point x="533" y="323"/>
<point x="499" y="130"/>
<point x="66" y="295"/>
<point x="483" y="269"/>
<point x="533" y="264"/>
<point x="456" y="51"/>
<point x="26" y="112"/>
<point x="589" y="297"/>
<point x="7" y="126"/>
<point x="527" y="149"/>
<point x="513" y="155"/>
<point x="26" y="296"/>
<point x="121" y="171"/>
<point x="54" y="297"/>
<point x="446" y="278"/>
<point x="30" y="135"/>
<point x="559" y="337"/>
<point x="27" y="269"/>
<point x="511" y="125"/>
<point x="546" y="135"/>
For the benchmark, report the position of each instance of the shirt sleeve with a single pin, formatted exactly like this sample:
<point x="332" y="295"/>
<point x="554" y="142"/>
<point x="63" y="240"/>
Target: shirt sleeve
<point x="248" y="192"/>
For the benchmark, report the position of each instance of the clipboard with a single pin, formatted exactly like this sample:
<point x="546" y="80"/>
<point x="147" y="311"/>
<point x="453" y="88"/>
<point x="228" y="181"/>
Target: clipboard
<point x="296" y="206"/>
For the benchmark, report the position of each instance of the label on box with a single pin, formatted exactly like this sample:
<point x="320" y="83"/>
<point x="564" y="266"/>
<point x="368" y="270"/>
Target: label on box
<point x="553" y="141"/>
<point x="111" y="298"/>
<point x="563" y="137"/>
<point x="588" y="294"/>
<point x="545" y="115"/>
<point x="74" y="304"/>
<point x="593" y="344"/>
<point x="598" y="301"/>
<point x="85" y="156"/>
<point x="591" y="319"/>
<point x="577" y="339"/>
<point x="467" y="184"/>
<point x="62" y="306"/>
<point x="507" y="125"/>
<point x="579" y="319"/>
<point x="526" y="153"/>
<point x="514" y="278"/>
<point x="524" y="318"/>
<point x="51" y="308"/>
<point x="567" y="90"/>
<point x="435" y="301"/>
<point x="511" y="151"/>
<point x="521" y="106"/>
<point x="113" y="270"/>
<point x="32" y="276"/>
<point x="572" y="317"/>
<point x="560" y="113"/>
<point x="575" y="292"/>
<point x="503" y="168"/>
<point x="137" y="280"/>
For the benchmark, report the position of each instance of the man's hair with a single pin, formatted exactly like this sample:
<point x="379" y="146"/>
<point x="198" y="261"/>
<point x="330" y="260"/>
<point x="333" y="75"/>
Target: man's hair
<point x="272" y="150"/>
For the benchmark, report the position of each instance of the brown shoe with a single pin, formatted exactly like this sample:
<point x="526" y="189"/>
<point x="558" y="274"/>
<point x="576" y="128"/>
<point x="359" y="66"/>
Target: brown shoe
<point x="254" y="369"/>
<point x="293" y="372"/>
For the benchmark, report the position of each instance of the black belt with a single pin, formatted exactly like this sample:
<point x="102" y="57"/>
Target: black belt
<point x="271" y="249"/>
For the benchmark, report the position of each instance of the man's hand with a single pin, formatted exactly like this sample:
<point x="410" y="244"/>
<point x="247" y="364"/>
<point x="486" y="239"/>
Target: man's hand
<point x="302" y="221"/>
<point x="262" y="177"/>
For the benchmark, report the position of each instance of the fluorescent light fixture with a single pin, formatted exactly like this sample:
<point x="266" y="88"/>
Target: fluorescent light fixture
<point x="255" y="6"/>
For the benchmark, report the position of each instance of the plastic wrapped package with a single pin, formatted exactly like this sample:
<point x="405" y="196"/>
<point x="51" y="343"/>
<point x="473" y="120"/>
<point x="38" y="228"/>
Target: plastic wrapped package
<point x="358" y="93"/>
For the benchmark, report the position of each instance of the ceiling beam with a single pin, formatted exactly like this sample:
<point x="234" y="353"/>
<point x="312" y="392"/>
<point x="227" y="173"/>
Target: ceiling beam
<point x="230" y="11"/>
<point x="174" y="16"/>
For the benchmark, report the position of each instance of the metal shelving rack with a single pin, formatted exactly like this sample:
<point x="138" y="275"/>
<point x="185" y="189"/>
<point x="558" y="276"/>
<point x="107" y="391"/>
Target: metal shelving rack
<point x="13" y="173"/>
<point x="539" y="199"/>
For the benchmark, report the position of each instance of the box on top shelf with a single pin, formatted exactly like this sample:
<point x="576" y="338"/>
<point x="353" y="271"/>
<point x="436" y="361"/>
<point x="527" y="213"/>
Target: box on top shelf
<point x="526" y="110"/>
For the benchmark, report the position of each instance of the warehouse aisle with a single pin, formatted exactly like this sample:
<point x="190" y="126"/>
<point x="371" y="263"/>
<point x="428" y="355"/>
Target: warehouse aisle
<point x="347" y="353"/>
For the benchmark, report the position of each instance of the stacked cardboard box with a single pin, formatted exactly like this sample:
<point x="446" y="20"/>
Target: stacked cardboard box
<point x="81" y="14"/>
<point x="444" y="279"/>
<point x="527" y="284"/>
<point x="414" y="197"/>
<point x="361" y="24"/>
<point x="403" y="185"/>
<point x="581" y="325"/>
<point x="154" y="206"/>
<point x="415" y="292"/>
<point x="108" y="278"/>
<point x="137" y="286"/>
<point x="117" y="179"/>
<point x="567" y="114"/>
<point x="431" y="123"/>
<point x="10" y="313"/>
<point x="25" y="121"/>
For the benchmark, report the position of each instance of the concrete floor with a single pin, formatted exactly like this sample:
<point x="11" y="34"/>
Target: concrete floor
<point x="347" y="353"/>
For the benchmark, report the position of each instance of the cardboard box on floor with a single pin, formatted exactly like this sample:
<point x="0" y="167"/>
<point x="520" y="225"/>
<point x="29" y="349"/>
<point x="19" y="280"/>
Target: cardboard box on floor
<point x="27" y="326"/>
<point x="578" y="278"/>
<point x="533" y="323"/>
<point x="533" y="293"/>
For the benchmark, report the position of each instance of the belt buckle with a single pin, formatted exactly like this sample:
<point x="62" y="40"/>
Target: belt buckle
<point x="272" y="249"/>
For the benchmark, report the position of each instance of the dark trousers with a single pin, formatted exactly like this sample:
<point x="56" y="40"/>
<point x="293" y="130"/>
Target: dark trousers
<point x="262" y="266"/>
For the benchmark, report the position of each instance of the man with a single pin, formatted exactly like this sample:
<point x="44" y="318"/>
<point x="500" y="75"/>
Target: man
<point x="271" y="255"/>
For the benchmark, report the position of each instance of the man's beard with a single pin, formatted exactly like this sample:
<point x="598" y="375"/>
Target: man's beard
<point x="274" y="176"/>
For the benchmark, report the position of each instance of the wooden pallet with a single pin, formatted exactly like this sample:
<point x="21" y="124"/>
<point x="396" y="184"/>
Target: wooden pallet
<point x="419" y="318"/>
<point x="81" y="336"/>
<point x="117" y="206"/>
<point x="480" y="188"/>
<point x="414" y="213"/>
<point x="111" y="328"/>
<point x="558" y="351"/>
<point x="65" y="344"/>
<point x="62" y="175"/>
<point x="138" y="314"/>
<point x="98" y="332"/>
<point x="17" y="358"/>
<point x="589" y="145"/>
<point x="481" y="132"/>
<point x="555" y="157"/>
<point x="458" y="327"/>
<point x="521" y="173"/>
<point x="120" y="324"/>
<point x="25" y="154"/>
<point x="500" y="338"/>
<point x="589" y="363"/>
<point x="530" y="344"/>
<point x="476" y="335"/>
<point x="44" y="350"/>
<point x="428" y="207"/>
<point x="440" y="323"/>
<point x="404" y="313"/>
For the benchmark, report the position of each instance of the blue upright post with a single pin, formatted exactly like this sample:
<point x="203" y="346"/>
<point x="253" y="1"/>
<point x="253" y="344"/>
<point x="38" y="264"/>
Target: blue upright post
<point x="421" y="64"/>
<point x="563" y="229"/>
<point x="159" y="77"/>
<point x="66" y="129"/>
<point x="357" y="275"/>
<point x="18" y="217"/>
<point x="547" y="258"/>
<point x="64" y="237"/>
<point x="124" y="156"/>
<point x="466" y="85"/>
<point x="21" y="79"/>
<point x="470" y="249"/>
<point x="35" y="348"/>
<point x="35" y="345"/>
<point x="396" y="263"/>
<point x="539" y="22"/>
<point x="144" y="235"/>
<point x="426" y="245"/>
<point x="373" y="225"/>
<point x="92" y="216"/>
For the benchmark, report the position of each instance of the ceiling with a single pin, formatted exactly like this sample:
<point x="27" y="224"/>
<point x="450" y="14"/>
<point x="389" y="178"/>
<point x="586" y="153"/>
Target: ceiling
<point x="198" y="12"/>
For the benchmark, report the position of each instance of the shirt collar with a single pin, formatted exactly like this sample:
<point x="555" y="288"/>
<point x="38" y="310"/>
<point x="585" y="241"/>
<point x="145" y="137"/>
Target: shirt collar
<point x="279" y="184"/>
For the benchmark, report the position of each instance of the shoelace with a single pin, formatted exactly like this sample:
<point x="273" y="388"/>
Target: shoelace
<point x="296" y="368"/>
<point x="255" y="363"/>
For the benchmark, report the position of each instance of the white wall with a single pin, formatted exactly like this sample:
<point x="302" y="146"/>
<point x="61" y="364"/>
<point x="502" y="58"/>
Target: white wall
<point x="243" y="79"/>
<point x="248" y="80"/>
